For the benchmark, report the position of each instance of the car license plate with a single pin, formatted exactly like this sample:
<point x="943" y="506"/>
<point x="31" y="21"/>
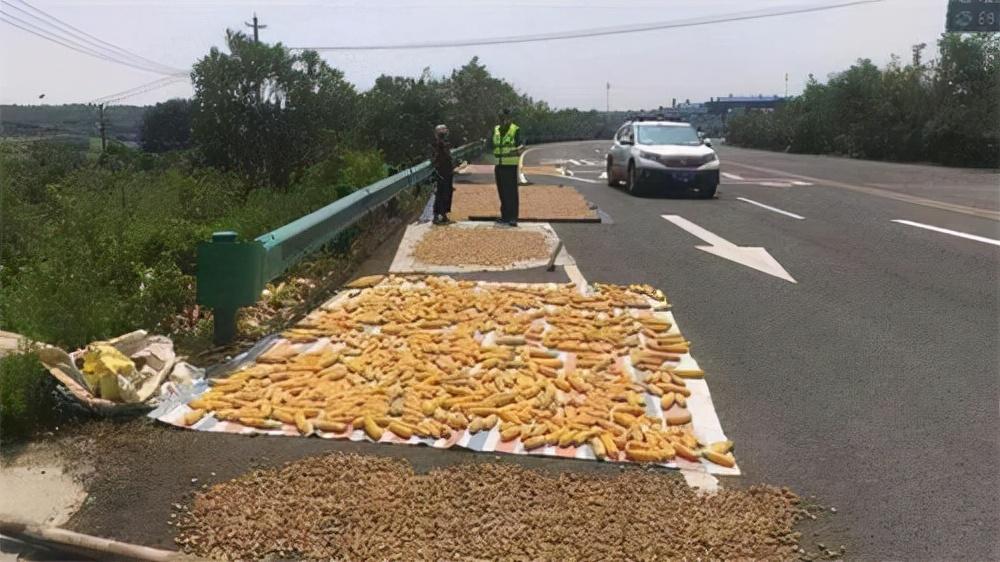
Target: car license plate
<point x="684" y="177"/>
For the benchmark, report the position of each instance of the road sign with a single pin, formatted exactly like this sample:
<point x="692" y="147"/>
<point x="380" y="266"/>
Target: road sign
<point x="966" y="16"/>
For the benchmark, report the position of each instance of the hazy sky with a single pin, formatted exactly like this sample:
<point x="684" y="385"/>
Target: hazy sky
<point x="645" y="69"/>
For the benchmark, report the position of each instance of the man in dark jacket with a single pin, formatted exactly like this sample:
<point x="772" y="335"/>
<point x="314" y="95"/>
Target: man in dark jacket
<point x="444" y="171"/>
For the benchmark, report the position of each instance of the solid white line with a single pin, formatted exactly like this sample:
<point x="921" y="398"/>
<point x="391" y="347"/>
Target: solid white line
<point x="951" y="232"/>
<point x="732" y="176"/>
<point x="574" y="162"/>
<point x="574" y="274"/>
<point x="770" y="208"/>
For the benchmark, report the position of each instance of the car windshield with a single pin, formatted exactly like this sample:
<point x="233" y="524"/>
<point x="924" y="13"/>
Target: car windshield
<point x="653" y="134"/>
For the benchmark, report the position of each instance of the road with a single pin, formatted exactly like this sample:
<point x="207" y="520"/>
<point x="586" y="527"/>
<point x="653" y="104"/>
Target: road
<point x="871" y="381"/>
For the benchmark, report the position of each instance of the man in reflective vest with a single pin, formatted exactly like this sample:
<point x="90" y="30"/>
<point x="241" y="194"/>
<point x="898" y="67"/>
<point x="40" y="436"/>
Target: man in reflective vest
<point x="507" y="148"/>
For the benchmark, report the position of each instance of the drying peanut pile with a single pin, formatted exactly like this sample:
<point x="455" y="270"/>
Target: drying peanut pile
<point x="349" y="507"/>
<point x="537" y="202"/>
<point x="480" y="246"/>
<point x="543" y="364"/>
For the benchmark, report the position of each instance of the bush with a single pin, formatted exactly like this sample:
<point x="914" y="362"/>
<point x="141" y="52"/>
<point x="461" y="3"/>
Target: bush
<point x="944" y="111"/>
<point x="26" y="401"/>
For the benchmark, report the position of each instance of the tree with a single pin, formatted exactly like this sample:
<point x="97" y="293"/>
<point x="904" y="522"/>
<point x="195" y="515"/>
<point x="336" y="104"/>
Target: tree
<point x="399" y="115"/>
<point x="166" y="126"/>
<point x="267" y="113"/>
<point x="475" y="99"/>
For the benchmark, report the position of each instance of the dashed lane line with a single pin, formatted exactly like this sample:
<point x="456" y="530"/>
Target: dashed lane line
<point x="731" y="176"/>
<point x="950" y="232"/>
<point x="885" y="193"/>
<point x="770" y="208"/>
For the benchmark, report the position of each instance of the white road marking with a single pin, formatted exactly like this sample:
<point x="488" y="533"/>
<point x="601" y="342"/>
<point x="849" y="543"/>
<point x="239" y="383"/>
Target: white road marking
<point x="574" y="162"/>
<point x="774" y="184"/>
<point x="603" y="176"/>
<point x="752" y="257"/>
<point x="879" y="192"/>
<point x="951" y="232"/>
<point x="797" y="182"/>
<point x="573" y="272"/>
<point x="589" y="163"/>
<point x="732" y="176"/>
<point x="770" y="208"/>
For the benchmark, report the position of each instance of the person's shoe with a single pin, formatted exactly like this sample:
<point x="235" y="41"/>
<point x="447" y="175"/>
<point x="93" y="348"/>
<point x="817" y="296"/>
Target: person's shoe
<point x="512" y="224"/>
<point x="503" y="224"/>
<point x="438" y="220"/>
<point x="445" y="219"/>
<point x="500" y="221"/>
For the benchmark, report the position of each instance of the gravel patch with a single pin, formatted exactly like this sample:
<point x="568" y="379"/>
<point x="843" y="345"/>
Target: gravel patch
<point x="537" y="202"/>
<point x="480" y="246"/>
<point x="350" y="507"/>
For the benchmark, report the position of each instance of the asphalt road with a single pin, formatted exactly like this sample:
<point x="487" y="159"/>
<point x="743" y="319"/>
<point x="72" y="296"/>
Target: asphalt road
<point x="872" y="381"/>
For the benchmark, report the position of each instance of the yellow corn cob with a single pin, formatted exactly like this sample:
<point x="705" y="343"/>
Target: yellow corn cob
<point x="372" y="429"/>
<point x="685" y="452"/>
<point x="332" y="426"/>
<point x="193" y="417"/>
<point x="534" y="442"/>
<point x="597" y="445"/>
<point x="720" y="459"/>
<point x="721" y="447"/>
<point x="304" y="426"/>
<point x="401" y="429"/>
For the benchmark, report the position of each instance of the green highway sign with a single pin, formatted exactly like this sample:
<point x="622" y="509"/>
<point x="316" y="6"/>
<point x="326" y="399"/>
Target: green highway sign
<point x="966" y="16"/>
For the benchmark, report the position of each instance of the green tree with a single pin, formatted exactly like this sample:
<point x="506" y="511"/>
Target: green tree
<point x="399" y="115"/>
<point x="265" y="112"/>
<point x="475" y="99"/>
<point x="166" y="126"/>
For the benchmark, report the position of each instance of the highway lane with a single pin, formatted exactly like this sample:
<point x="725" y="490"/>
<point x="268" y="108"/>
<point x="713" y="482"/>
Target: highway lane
<point x="872" y="381"/>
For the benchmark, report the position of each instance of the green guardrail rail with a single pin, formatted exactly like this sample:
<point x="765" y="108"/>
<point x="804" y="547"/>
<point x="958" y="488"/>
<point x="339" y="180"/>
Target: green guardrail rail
<point x="232" y="272"/>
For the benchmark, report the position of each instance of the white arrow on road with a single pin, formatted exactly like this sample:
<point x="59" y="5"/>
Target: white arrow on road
<point x="757" y="258"/>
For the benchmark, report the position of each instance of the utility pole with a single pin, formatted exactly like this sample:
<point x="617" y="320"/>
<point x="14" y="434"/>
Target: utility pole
<point x="786" y="84"/>
<point x="607" y="98"/>
<point x="101" y="127"/>
<point x="256" y="27"/>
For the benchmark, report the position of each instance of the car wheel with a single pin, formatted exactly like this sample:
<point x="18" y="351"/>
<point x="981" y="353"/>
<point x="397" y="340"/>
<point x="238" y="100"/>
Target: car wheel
<point x="631" y="184"/>
<point x="611" y="175"/>
<point x="707" y="192"/>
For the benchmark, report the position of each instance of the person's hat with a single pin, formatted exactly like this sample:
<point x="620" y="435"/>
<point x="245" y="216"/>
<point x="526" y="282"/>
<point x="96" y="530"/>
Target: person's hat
<point x="441" y="129"/>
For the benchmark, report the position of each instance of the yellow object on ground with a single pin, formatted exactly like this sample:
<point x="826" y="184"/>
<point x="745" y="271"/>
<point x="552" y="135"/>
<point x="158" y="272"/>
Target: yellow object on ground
<point x="102" y="364"/>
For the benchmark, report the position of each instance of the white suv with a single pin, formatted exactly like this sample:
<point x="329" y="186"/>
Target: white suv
<point x="662" y="156"/>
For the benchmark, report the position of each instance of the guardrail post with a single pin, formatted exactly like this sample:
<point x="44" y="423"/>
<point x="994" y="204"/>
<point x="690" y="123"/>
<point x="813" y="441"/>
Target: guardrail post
<point x="230" y="275"/>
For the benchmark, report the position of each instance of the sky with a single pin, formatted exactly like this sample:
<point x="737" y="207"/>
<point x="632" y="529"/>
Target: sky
<point x="645" y="70"/>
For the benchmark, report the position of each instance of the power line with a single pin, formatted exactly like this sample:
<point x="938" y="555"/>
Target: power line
<point x="138" y="90"/>
<point x="72" y="43"/>
<point x="98" y="43"/>
<point x="595" y="32"/>
<point x="37" y="31"/>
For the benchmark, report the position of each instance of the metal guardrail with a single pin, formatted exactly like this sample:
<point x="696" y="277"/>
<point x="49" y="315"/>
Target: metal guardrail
<point x="232" y="273"/>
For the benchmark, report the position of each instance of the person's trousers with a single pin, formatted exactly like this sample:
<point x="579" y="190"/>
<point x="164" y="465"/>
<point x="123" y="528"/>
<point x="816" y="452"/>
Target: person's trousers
<point x="442" y="196"/>
<point x="506" y="177"/>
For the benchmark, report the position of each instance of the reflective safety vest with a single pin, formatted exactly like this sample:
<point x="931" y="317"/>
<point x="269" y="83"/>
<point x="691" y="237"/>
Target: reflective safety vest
<point x="505" y="146"/>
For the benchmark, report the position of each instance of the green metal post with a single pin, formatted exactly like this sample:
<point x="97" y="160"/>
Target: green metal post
<point x="230" y="275"/>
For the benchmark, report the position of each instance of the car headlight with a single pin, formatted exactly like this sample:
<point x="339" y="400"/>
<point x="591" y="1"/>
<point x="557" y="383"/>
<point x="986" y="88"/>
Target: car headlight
<point x="649" y="155"/>
<point x="710" y="157"/>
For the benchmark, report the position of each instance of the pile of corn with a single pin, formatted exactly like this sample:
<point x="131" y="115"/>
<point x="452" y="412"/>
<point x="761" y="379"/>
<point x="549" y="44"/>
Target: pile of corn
<point x="352" y="507"/>
<point x="537" y="202"/>
<point x="543" y="364"/>
<point x="483" y="245"/>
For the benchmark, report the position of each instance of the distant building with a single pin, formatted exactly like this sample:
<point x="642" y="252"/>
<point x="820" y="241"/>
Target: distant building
<point x="723" y="105"/>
